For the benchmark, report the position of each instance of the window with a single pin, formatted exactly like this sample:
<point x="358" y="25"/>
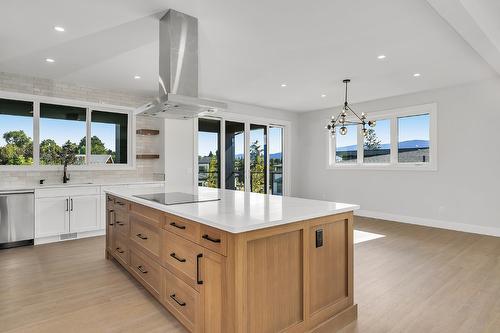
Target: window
<point x="258" y="158"/>
<point x="276" y="160"/>
<point x="413" y="139"/>
<point x="402" y="138"/>
<point x="40" y="134"/>
<point x="377" y="143"/>
<point x="108" y="141"/>
<point x="62" y="134"/>
<point x="208" y="152"/>
<point x="347" y="146"/>
<point x="235" y="155"/>
<point x="16" y="130"/>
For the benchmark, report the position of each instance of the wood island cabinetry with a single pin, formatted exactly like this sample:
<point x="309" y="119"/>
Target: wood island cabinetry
<point x="296" y="277"/>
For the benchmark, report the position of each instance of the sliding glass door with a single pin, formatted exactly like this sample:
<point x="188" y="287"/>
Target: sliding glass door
<point x="241" y="156"/>
<point x="208" y="152"/>
<point x="235" y="155"/>
<point x="258" y="158"/>
<point x="276" y="160"/>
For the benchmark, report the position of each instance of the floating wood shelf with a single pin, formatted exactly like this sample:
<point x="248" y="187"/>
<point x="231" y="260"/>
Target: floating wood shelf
<point x="147" y="156"/>
<point x="147" y="132"/>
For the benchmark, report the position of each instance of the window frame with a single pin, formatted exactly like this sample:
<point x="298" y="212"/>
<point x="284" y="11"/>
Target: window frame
<point x="392" y="115"/>
<point x="247" y="120"/>
<point x="89" y="106"/>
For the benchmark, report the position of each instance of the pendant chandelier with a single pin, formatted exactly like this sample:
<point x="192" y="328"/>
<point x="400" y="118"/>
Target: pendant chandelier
<point x="342" y="120"/>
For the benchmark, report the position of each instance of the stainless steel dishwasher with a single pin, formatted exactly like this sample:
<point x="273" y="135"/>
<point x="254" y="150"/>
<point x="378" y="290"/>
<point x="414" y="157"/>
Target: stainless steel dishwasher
<point x="17" y="218"/>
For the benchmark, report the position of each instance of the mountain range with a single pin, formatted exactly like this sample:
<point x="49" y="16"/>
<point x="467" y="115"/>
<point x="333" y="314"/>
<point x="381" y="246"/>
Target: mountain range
<point x="404" y="144"/>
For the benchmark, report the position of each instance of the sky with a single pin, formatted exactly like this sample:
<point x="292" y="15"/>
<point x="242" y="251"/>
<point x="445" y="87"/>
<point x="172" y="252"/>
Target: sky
<point x="57" y="129"/>
<point x="208" y="141"/>
<point x="410" y="128"/>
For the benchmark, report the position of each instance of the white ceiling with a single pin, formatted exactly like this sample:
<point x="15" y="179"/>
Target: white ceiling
<point x="248" y="48"/>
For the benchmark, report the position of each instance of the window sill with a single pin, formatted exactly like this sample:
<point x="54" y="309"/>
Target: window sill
<point x="384" y="167"/>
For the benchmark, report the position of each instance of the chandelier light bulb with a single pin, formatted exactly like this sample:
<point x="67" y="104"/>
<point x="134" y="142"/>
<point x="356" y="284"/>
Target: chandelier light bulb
<point x="343" y="130"/>
<point x="364" y="132"/>
<point x="372" y="123"/>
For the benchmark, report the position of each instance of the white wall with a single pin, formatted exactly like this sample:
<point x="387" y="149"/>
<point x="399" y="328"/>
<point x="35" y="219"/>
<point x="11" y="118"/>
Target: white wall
<point x="462" y="194"/>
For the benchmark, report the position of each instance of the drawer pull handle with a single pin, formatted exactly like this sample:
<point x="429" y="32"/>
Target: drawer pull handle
<point x="119" y="250"/>
<point x="110" y="199"/>
<point x="120" y="203"/>
<point x="181" y="303"/>
<point x="120" y="223"/>
<point x="177" y="258"/>
<point x="141" y="236"/>
<point x="142" y="270"/>
<point x="173" y="224"/>
<point x="198" y="257"/>
<point x="208" y="238"/>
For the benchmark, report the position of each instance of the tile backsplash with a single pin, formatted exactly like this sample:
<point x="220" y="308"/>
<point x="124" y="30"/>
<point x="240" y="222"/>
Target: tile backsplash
<point x="145" y="169"/>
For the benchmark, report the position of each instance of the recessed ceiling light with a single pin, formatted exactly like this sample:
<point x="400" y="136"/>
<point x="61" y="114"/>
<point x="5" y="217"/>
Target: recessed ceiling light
<point x="323" y="95"/>
<point x="382" y="56"/>
<point x="416" y="75"/>
<point x="283" y="85"/>
<point x="58" y="28"/>
<point x="50" y="60"/>
<point x="137" y="77"/>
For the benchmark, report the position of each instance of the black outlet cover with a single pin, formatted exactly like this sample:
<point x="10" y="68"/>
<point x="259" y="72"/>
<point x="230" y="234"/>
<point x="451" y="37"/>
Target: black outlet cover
<point x="319" y="238"/>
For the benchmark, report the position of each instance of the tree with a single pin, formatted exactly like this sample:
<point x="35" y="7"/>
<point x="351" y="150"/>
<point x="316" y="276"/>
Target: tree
<point x="18" y="149"/>
<point x="97" y="147"/>
<point x="372" y="142"/>
<point x="257" y="167"/>
<point x="50" y="152"/>
<point x="68" y="153"/>
<point x="212" y="179"/>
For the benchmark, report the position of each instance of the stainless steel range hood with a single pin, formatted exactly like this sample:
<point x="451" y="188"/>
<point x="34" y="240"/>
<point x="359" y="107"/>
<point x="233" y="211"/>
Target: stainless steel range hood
<point x="178" y="80"/>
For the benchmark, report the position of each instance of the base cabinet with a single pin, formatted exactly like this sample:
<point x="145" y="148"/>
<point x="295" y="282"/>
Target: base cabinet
<point x="52" y="216"/>
<point x="279" y="279"/>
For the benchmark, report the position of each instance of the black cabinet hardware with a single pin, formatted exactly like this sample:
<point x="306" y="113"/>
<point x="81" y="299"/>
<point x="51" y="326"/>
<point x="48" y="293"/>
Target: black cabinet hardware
<point x="198" y="257"/>
<point x="173" y="224"/>
<point x="208" y="238"/>
<point x="141" y="236"/>
<point x="142" y="270"/>
<point x="119" y="250"/>
<point x="120" y="223"/>
<point x="71" y="204"/>
<point x="67" y="205"/>
<point x="181" y="303"/>
<point x="120" y="203"/>
<point x="177" y="258"/>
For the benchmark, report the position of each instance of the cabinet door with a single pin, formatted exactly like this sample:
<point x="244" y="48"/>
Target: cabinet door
<point x="84" y="213"/>
<point x="52" y="216"/>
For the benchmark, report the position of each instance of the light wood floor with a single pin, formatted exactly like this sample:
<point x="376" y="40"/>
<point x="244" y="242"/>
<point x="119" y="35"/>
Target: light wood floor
<point x="415" y="279"/>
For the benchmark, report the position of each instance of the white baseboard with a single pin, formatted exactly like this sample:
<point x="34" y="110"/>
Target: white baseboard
<point x="53" y="239"/>
<point x="475" y="229"/>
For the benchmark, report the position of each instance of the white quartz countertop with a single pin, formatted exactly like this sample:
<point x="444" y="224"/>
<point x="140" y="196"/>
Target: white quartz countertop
<point x="238" y="211"/>
<point x="76" y="184"/>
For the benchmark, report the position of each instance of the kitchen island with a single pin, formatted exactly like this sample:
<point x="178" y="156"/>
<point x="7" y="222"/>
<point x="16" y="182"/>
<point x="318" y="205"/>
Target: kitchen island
<point x="237" y="261"/>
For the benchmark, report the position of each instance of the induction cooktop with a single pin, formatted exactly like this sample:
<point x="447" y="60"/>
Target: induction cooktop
<point x="177" y="198"/>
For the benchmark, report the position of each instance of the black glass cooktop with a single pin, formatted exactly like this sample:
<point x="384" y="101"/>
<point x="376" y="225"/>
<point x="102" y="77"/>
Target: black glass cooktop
<point x="177" y="198"/>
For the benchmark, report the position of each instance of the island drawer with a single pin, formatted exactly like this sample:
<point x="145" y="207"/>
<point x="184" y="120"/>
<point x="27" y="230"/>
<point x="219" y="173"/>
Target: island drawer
<point x="181" y="300"/>
<point x="147" y="215"/>
<point x="110" y="202"/>
<point x="147" y="271"/>
<point x="120" y="248"/>
<point x="182" y="227"/>
<point x="121" y="205"/>
<point x="213" y="239"/>
<point x="182" y="257"/>
<point x="122" y="224"/>
<point x="145" y="235"/>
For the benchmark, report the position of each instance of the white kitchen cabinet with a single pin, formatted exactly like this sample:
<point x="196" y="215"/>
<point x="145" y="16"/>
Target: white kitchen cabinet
<point x="84" y="213"/>
<point x="52" y="216"/>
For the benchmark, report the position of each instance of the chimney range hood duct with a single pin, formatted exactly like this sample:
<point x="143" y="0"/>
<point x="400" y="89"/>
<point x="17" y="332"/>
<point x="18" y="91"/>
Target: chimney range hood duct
<point x="178" y="80"/>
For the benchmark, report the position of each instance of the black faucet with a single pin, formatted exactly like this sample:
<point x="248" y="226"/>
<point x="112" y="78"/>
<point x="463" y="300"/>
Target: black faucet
<point x="65" y="175"/>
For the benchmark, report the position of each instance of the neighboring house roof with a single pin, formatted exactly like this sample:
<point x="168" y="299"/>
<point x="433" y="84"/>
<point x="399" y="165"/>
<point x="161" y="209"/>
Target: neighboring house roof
<point x="98" y="159"/>
<point x="204" y="160"/>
